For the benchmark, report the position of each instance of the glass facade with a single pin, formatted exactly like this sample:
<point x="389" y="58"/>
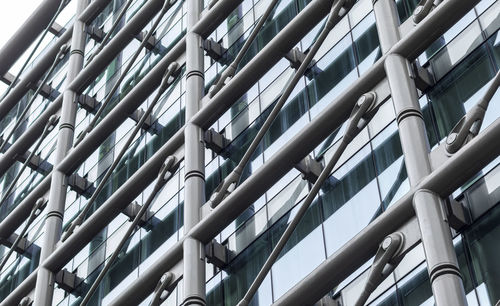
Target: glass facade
<point x="369" y="177"/>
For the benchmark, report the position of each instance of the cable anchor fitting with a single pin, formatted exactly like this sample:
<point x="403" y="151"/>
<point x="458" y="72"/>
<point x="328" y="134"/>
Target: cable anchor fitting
<point x="470" y="124"/>
<point x="386" y="260"/>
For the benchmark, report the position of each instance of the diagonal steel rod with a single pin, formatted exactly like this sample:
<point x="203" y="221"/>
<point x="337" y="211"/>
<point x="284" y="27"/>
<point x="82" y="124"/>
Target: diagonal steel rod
<point x="166" y="6"/>
<point x="60" y="55"/>
<point x="48" y="128"/>
<point x="165" y="173"/>
<point x="233" y="178"/>
<point x="167" y="80"/>
<point x="231" y="69"/>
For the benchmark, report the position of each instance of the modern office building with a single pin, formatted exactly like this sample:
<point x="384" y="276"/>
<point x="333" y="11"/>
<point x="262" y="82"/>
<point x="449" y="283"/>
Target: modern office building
<point x="272" y="152"/>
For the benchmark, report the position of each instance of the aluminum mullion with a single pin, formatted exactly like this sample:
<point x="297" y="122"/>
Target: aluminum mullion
<point x="307" y="139"/>
<point x="452" y="174"/>
<point x="43" y="63"/>
<point x="100" y="62"/>
<point x="27" y="33"/>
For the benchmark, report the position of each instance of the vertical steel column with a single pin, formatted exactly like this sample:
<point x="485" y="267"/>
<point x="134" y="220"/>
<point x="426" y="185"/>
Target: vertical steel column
<point x="194" y="181"/>
<point x="442" y="263"/>
<point x="57" y="197"/>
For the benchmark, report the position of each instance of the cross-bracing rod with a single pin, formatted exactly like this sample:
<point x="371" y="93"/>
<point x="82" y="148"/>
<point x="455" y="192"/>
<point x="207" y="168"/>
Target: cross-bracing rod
<point x="306" y="140"/>
<point x="409" y="45"/>
<point x="442" y="262"/>
<point x="57" y="195"/>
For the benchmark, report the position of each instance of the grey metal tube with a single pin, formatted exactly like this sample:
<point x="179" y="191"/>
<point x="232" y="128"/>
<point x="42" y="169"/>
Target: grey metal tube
<point x="137" y="95"/>
<point x="27" y="33"/>
<point x="44" y="289"/>
<point x="452" y="174"/>
<point x="100" y="62"/>
<point x="442" y="263"/>
<point x="274" y="51"/>
<point x="21" y="212"/>
<point x="269" y="173"/>
<point x="194" y="161"/>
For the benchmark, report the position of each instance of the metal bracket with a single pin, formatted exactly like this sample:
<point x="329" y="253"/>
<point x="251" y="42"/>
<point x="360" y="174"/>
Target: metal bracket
<point x="216" y="254"/>
<point x="296" y="57"/>
<point x="215" y="142"/>
<point x="88" y="103"/>
<point x="131" y="211"/>
<point x="152" y="41"/>
<point x="57" y="29"/>
<point x="310" y="168"/>
<point x="47" y="91"/>
<point x="80" y="185"/>
<point x="422" y="76"/>
<point x="149" y="123"/>
<point x="214" y="49"/>
<point x="67" y="281"/>
<point x="456" y="214"/>
<point x="96" y="33"/>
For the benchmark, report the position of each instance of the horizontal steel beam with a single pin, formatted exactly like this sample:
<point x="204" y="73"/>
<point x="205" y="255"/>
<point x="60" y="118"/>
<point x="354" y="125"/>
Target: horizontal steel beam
<point x="303" y="143"/>
<point x="452" y="174"/>
<point x="176" y="141"/>
<point x="87" y="75"/>
<point x="27" y="33"/>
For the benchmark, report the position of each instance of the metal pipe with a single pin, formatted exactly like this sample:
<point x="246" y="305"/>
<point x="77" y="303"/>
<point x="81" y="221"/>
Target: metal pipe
<point x="164" y="175"/>
<point x="194" y="161"/>
<point x="232" y="180"/>
<point x="167" y="80"/>
<point x="442" y="262"/>
<point x="166" y="6"/>
<point x="452" y="174"/>
<point x="310" y="137"/>
<point x="358" y="120"/>
<point x="57" y="195"/>
<point x="86" y="76"/>
<point x="21" y="117"/>
<point x="27" y="33"/>
<point x="231" y="69"/>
